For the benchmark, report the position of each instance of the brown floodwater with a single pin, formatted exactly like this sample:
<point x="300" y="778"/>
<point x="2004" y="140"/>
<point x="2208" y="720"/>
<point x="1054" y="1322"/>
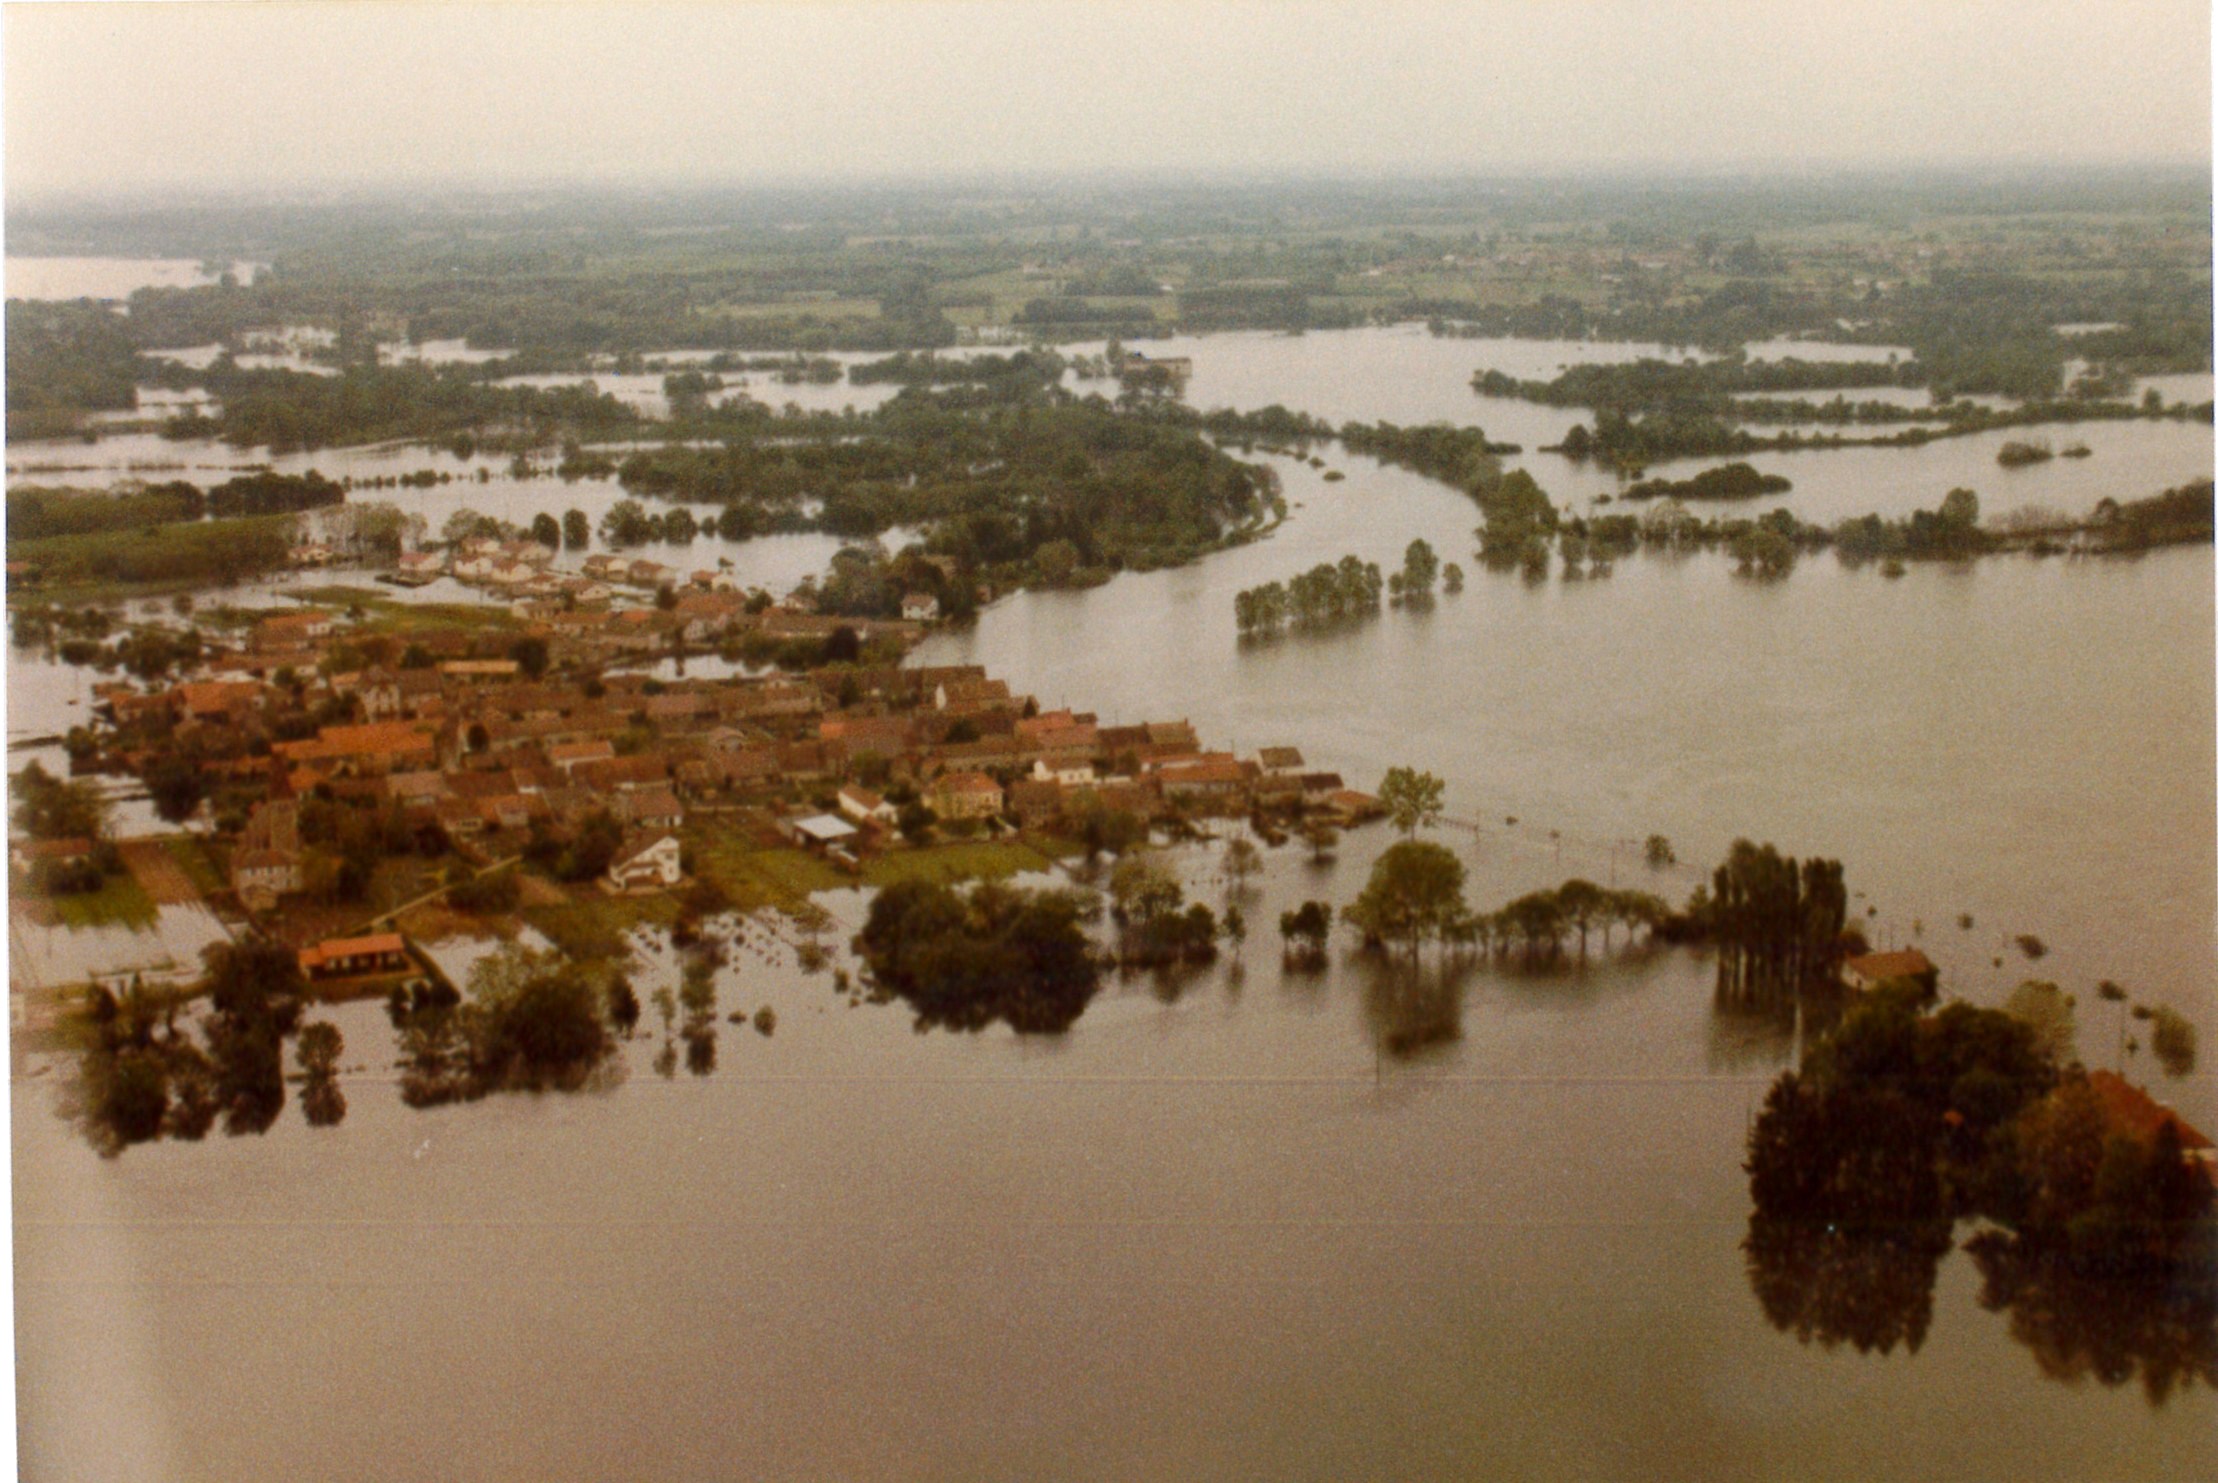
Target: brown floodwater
<point x="1216" y="1231"/>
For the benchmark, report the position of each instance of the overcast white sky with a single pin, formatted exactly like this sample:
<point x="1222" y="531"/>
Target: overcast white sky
<point x="127" y="95"/>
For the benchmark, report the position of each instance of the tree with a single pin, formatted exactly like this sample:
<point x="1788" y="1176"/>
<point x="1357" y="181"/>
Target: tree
<point x="577" y="530"/>
<point x="1658" y="852"/>
<point x="1960" y="509"/>
<point x="545" y="530"/>
<point x="1241" y="860"/>
<point x="1305" y="931"/>
<point x="1584" y="905"/>
<point x="1321" y="838"/>
<point x="321" y="1099"/>
<point x="1415" y="892"/>
<point x="176" y="784"/>
<point x="47" y="807"/>
<point x="1419" y="569"/>
<point x="1055" y="562"/>
<point x="1412" y="799"/>
<point x="623" y="1005"/>
<point x="998" y="953"/>
<point x="2172" y="1037"/>
<point x="2046" y="1010"/>
<point x="530" y="654"/>
<point x="1143" y="889"/>
<point x="1763" y="552"/>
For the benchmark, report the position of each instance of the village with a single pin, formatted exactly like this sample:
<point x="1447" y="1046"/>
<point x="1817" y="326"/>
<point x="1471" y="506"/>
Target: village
<point x="358" y="781"/>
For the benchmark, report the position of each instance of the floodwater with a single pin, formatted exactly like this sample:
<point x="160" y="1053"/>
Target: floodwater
<point x="108" y="277"/>
<point x="1216" y="1231"/>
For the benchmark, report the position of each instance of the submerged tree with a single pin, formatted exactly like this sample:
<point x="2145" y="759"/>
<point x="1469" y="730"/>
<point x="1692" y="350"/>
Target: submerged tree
<point x="1777" y="921"/>
<point x="1415" y="894"/>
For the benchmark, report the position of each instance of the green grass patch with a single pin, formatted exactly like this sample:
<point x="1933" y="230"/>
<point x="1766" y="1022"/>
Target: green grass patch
<point x="339" y="595"/>
<point x="963" y="860"/>
<point x="388" y="616"/>
<point x="156" y="558"/>
<point x="593" y="926"/>
<point x="120" y="902"/>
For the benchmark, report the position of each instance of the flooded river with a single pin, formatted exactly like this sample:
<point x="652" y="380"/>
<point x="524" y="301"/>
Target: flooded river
<point x="1216" y="1231"/>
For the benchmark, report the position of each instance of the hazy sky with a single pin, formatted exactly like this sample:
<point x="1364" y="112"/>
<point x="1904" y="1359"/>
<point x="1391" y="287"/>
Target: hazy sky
<point x="214" y="94"/>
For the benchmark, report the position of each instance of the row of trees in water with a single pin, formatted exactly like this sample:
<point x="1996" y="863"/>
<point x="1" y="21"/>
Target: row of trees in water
<point x="1331" y="593"/>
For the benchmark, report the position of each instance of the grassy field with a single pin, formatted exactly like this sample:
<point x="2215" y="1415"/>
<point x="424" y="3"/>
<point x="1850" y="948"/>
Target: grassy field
<point x="754" y="877"/>
<point x="111" y="564"/>
<point x="961" y="861"/>
<point x="592" y="925"/>
<point x="120" y="901"/>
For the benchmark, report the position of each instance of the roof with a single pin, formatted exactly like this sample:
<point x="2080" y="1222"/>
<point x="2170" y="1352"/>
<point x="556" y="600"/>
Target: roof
<point x="966" y="782"/>
<point x="861" y="797"/>
<point x="1280" y="756"/>
<point x="1908" y="963"/>
<point x="639" y="844"/>
<point x="2134" y="1111"/>
<point x="824" y="828"/>
<point x="1203" y="770"/>
<point x="353" y="947"/>
<point x="344" y="741"/>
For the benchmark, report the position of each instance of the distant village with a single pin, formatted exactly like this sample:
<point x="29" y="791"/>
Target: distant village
<point x="444" y="745"/>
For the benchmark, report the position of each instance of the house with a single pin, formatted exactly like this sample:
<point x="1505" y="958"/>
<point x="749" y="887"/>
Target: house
<point x="569" y="756"/>
<point x="346" y="957"/>
<point x="650" y="861"/>
<point x="409" y="692"/>
<point x="645" y="573"/>
<point x="920" y="607"/>
<point x="1352" y="807"/>
<point x="864" y="806"/>
<point x="963" y="696"/>
<point x="375" y="749"/>
<point x="477" y="671"/>
<point x="964" y="795"/>
<point x="223" y="701"/>
<point x="292" y="630"/>
<point x="267" y="862"/>
<point x="607" y="567"/>
<point x="1870" y="970"/>
<point x="1044" y="771"/>
<point x="649" y="808"/>
<point x="1217" y="777"/>
<point x="1279" y="762"/>
<point x="2133" y="1113"/>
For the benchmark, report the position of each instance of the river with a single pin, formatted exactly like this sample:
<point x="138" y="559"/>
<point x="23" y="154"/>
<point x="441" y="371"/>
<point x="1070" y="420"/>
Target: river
<point x="1215" y="1231"/>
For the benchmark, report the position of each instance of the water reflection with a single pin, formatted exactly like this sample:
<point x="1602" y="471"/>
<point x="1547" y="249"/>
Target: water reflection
<point x="1412" y="1008"/>
<point x="1869" y="1288"/>
<point x="2079" y="1327"/>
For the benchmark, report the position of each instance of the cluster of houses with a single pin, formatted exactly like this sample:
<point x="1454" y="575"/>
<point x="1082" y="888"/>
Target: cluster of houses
<point x="440" y="728"/>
